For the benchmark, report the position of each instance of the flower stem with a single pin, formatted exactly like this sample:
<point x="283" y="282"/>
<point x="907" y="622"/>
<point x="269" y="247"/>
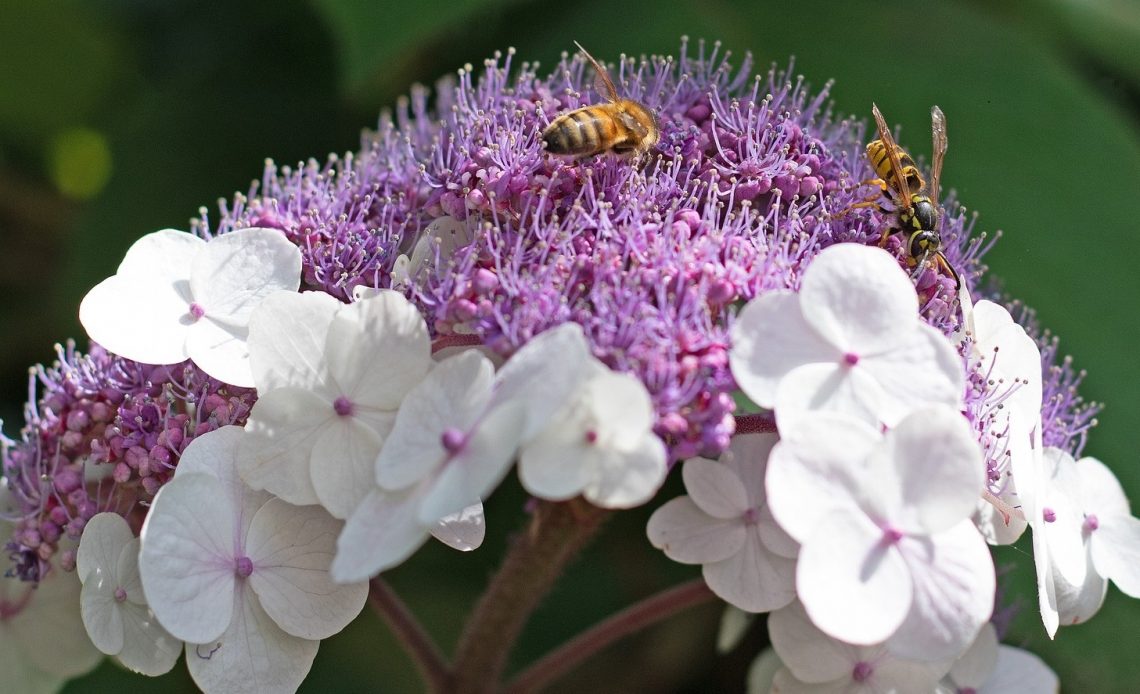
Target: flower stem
<point x="755" y="423"/>
<point x="444" y="341"/>
<point x="411" y="635"/>
<point x="653" y="609"/>
<point x="557" y="534"/>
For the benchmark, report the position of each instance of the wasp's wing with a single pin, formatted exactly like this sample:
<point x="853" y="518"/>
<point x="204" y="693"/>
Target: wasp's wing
<point x="602" y="83"/>
<point x="938" y="127"/>
<point x="893" y="154"/>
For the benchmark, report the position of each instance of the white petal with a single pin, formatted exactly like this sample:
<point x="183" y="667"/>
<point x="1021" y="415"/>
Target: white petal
<point x="381" y="533"/>
<point x="715" y="488"/>
<point x="624" y="479"/>
<point x="769" y="339"/>
<point x="688" y="535"/>
<point x="747" y="456"/>
<point x="776" y="538"/>
<point x="287" y="334"/>
<point x="187" y="557"/>
<point x="49" y="631"/>
<point x="734" y="623"/>
<point x="253" y="656"/>
<point x="1046" y="588"/>
<point x="1115" y="547"/>
<point x="1020" y="672"/>
<point x="103" y="539"/>
<point x="810" y="654"/>
<point x="292" y="548"/>
<point x="901" y="675"/>
<point x="343" y="466"/>
<point x="277" y="450"/>
<point x="544" y="374"/>
<point x="1101" y="492"/>
<point x="221" y="350"/>
<point x="621" y="407"/>
<point x="138" y="322"/>
<point x="215" y="453"/>
<point x="923" y="369"/>
<point x="978" y="662"/>
<point x="753" y="579"/>
<point x="762" y="672"/>
<point x="811" y="470"/>
<point x="148" y="649"/>
<point x="854" y="588"/>
<point x="452" y="396"/>
<point x="784" y="682"/>
<point x="932" y="461"/>
<point x="831" y="387"/>
<point x="101" y="613"/>
<point x="858" y="298"/>
<point x="236" y="271"/>
<point x="1063" y="533"/>
<point x="477" y="469"/>
<point x="21" y="674"/>
<point x="1078" y="604"/>
<point x="142" y="312"/>
<point x="954" y="583"/>
<point x="550" y="466"/>
<point x="463" y="531"/>
<point x="385" y="324"/>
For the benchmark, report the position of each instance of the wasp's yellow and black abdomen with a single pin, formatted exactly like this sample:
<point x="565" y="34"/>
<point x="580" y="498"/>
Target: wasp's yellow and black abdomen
<point x="581" y="132"/>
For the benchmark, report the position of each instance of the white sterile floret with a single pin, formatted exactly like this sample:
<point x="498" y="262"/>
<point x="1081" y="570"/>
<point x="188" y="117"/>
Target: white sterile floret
<point x="176" y="296"/>
<point x="455" y="437"/>
<point x="1044" y="488"/>
<point x="991" y="668"/>
<point x="42" y="640"/>
<point x="851" y="340"/>
<point x="725" y="525"/>
<point x="816" y="662"/>
<point x="114" y="607"/>
<point x="330" y="378"/>
<point x="1111" y="538"/>
<point x="601" y="446"/>
<point x="888" y="550"/>
<point x="241" y="576"/>
<point x="446" y="451"/>
<point x="1005" y="364"/>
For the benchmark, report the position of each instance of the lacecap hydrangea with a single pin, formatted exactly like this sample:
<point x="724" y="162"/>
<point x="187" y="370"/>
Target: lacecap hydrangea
<point x="355" y="353"/>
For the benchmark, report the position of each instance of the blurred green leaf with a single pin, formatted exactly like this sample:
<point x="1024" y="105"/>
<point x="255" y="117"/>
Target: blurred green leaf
<point x="58" y="59"/>
<point x="375" y="40"/>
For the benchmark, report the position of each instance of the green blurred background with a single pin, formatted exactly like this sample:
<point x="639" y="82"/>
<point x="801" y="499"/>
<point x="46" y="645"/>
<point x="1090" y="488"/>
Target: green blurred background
<point x="119" y="117"/>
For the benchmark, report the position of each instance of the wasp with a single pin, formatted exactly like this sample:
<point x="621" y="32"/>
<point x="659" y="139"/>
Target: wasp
<point x="914" y="204"/>
<point x="620" y="125"/>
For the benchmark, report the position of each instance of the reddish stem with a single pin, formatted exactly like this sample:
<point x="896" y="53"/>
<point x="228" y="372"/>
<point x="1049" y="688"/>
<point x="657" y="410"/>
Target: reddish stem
<point x="764" y="423"/>
<point x="445" y="341"/>
<point x="411" y="635"/>
<point x="557" y="534"/>
<point x="653" y="609"/>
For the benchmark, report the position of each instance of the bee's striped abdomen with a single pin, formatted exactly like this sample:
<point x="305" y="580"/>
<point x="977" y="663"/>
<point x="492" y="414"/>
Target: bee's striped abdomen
<point x="581" y="132"/>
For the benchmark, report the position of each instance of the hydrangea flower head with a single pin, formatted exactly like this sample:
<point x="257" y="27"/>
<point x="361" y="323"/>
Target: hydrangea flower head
<point x="420" y="314"/>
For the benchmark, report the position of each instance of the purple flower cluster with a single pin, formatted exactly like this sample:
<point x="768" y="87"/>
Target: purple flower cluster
<point x="751" y="178"/>
<point x="104" y="434"/>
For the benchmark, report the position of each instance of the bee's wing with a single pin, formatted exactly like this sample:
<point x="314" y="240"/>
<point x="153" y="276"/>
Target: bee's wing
<point x="602" y="82"/>
<point x="938" y="127"/>
<point x="893" y="155"/>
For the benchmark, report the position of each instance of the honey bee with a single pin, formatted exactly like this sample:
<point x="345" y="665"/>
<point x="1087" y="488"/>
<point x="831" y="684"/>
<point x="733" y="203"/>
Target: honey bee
<point x="914" y="205"/>
<point x="621" y="125"/>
